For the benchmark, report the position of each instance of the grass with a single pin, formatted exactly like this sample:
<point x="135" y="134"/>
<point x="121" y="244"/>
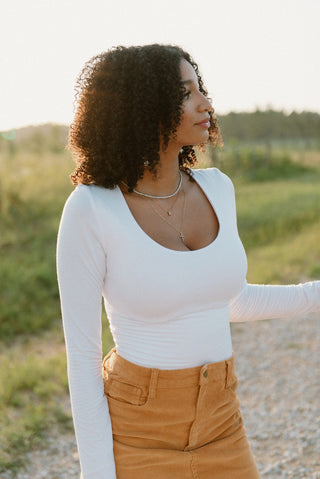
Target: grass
<point x="29" y="221"/>
<point x="287" y="260"/>
<point x="278" y="221"/>
<point x="261" y="162"/>
<point x="33" y="394"/>
<point x="30" y="383"/>
<point x="279" y="209"/>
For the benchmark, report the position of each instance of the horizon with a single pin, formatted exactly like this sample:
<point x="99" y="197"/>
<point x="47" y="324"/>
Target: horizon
<point x="53" y="123"/>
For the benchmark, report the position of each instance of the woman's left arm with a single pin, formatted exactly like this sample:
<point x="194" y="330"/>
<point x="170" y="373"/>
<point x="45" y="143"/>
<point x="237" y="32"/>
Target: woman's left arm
<point x="259" y="301"/>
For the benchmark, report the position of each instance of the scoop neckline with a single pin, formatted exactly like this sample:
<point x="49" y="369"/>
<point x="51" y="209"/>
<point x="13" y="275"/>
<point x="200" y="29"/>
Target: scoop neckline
<point x="153" y="242"/>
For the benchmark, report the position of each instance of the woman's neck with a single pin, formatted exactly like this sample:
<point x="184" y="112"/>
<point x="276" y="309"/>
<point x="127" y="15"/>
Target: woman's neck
<point x="167" y="178"/>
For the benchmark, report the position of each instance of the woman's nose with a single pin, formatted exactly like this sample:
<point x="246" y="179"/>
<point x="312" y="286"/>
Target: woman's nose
<point x="205" y="104"/>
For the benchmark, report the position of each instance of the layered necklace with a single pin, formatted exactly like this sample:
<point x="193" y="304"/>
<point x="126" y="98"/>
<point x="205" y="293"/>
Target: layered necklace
<point x="159" y="197"/>
<point x="167" y="212"/>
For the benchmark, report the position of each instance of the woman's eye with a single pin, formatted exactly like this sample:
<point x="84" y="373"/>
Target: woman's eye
<point x="187" y="94"/>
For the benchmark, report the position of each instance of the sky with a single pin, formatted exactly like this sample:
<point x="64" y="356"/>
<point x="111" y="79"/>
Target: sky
<point x="251" y="53"/>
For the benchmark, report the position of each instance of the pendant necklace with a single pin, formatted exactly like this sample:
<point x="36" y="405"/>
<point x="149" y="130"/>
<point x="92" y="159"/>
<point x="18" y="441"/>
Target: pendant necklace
<point x="178" y="230"/>
<point x="168" y="211"/>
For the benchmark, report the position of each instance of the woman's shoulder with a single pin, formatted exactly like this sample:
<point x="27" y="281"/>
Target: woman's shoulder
<point x="93" y="191"/>
<point x="213" y="176"/>
<point x="85" y="207"/>
<point x="85" y="197"/>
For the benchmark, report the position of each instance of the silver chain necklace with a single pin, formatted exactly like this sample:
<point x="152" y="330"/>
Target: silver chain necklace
<point x="158" y="197"/>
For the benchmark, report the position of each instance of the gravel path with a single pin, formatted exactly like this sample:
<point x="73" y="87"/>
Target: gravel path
<point x="277" y="362"/>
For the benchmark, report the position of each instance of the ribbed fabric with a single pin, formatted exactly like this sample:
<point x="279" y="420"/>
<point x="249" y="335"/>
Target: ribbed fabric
<point x="177" y="424"/>
<point x="167" y="309"/>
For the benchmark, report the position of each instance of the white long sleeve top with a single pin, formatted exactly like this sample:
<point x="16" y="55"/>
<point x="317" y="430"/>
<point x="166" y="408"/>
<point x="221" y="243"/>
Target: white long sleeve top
<point x="167" y="309"/>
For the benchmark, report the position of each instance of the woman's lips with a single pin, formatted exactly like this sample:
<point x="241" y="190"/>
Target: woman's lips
<point x="204" y="124"/>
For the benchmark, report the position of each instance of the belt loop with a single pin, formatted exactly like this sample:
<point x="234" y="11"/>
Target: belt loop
<point x="107" y="356"/>
<point x="111" y="352"/>
<point x="227" y="375"/>
<point x="153" y="383"/>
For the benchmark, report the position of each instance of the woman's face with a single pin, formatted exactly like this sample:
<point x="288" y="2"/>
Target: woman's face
<point x="195" y="120"/>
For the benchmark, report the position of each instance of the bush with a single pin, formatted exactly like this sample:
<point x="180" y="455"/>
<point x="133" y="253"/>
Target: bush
<point x="257" y="163"/>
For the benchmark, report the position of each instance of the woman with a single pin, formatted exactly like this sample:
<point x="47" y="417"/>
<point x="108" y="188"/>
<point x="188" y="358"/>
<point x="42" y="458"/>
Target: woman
<point x="159" y="242"/>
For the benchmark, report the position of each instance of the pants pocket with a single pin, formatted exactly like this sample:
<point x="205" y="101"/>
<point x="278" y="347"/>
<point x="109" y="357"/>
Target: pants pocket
<point x="119" y="389"/>
<point x="232" y="383"/>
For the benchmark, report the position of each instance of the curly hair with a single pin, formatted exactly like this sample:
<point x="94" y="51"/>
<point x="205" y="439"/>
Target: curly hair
<point x="126" y="100"/>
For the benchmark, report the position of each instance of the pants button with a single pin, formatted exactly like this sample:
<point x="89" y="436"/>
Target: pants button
<point x="205" y="373"/>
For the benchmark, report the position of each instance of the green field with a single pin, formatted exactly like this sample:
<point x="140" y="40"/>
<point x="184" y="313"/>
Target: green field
<point x="279" y="222"/>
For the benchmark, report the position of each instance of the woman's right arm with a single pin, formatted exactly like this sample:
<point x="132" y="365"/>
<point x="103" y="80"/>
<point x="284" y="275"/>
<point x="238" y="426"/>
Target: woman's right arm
<point x="81" y="266"/>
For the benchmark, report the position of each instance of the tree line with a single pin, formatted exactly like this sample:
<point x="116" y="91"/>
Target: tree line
<point x="235" y="127"/>
<point x="270" y="125"/>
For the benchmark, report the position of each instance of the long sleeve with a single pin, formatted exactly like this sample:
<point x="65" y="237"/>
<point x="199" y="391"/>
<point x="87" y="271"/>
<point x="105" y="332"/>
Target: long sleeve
<point x="81" y="266"/>
<point x="270" y="301"/>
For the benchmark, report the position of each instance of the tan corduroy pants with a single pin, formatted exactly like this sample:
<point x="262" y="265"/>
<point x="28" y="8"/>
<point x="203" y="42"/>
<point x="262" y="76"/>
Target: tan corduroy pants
<point x="176" y="424"/>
